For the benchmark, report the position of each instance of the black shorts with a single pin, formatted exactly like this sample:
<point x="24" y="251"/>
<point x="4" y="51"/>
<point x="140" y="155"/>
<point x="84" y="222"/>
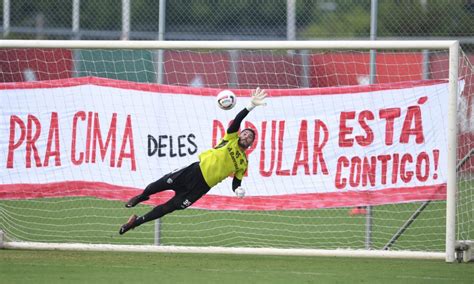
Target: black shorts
<point x="188" y="183"/>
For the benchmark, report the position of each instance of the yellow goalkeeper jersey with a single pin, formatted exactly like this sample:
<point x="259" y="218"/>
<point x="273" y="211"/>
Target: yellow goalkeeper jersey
<point x="224" y="159"/>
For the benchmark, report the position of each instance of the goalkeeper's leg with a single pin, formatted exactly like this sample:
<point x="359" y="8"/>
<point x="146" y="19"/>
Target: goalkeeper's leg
<point x="166" y="182"/>
<point x="154" y="187"/>
<point x="157" y="212"/>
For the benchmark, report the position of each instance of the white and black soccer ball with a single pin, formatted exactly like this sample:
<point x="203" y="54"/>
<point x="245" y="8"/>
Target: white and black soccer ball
<point x="226" y="99"/>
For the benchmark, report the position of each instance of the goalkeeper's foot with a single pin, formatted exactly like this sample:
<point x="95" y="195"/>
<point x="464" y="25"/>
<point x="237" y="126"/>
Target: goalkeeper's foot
<point x="135" y="200"/>
<point x="130" y="225"/>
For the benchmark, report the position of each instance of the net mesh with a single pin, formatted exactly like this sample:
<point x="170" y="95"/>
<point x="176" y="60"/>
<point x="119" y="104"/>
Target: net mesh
<point x="92" y="219"/>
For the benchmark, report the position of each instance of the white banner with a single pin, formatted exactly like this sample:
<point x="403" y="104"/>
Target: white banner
<point x="315" y="147"/>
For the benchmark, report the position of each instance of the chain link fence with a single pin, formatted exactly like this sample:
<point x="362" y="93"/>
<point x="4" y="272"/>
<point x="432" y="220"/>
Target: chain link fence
<point x="237" y="20"/>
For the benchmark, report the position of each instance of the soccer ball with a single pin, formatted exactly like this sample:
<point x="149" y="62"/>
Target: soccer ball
<point x="226" y="100"/>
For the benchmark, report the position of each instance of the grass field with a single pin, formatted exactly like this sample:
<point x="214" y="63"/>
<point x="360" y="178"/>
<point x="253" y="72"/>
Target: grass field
<point x="90" y="220"/>
<point x="17" y="266"/>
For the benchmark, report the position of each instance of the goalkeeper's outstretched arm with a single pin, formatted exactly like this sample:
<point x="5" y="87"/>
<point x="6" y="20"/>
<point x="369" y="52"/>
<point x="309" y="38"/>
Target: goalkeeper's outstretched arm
<point x="235" y="125"/>
<point x="238" y="190"/>
<point x="236" y="183"/>
<point x="258" y="97"/>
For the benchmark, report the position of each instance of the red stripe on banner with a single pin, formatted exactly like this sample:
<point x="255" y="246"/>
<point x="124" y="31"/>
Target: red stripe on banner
<point x="157" y="88"/>
<point x="215" y="202"/>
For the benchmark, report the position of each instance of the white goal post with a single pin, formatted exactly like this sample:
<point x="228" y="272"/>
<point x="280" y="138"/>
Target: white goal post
<point x="451" y="46"/>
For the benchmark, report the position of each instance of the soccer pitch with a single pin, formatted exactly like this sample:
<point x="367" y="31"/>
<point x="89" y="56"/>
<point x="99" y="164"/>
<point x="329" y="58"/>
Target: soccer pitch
<point x="18" y="266"/>
<point x="91" y="220"/>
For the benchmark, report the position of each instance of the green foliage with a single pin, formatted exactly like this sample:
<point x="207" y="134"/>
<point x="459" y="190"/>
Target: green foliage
<point x="339" y="23"/>
<point x="144" y="15"/>
<point x="395" y="19"/>
<point x="56" y="13"/>
<point x="101" y="15"/>
<point x="314" y="19"/>
<point x="226" y="14"/>
<point x="436" y="18"/>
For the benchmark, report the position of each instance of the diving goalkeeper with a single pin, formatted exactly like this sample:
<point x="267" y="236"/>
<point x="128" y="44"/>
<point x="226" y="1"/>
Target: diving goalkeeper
<point x="192" y="182"/>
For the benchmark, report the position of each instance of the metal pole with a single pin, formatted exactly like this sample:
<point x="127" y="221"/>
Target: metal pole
<point x="290" y="23"/>
<point x="426" y="64"/>
<point x="233" y="78"/>
<point x="159" y="80"/>
<point x="76" y="14"/>
<point x="39" y="25"/>
<point x="161" y="37"/>
<point x="373" y="72"/>
<point x="290" y="19"/>
<point x="373" y="36"/>
<point x="76" y="21"/>
<point x="406" y="225"/>
<point x="2" y="239"/>
<point x="234" y="44"/>
<point x="422" y="207"/>
<point x="425" y="52"/>
<point x="125" y="20"/>
<point x="157" y="240"/>
<point x="452" y="152"/>
<point x="6" y="18"/>
<point x="306" y="62"/>
<point x="291" y="35"/>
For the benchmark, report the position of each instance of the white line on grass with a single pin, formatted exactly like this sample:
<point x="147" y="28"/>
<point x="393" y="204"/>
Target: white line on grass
<point x="426" y="278"/>
<point x="268" y="271"/>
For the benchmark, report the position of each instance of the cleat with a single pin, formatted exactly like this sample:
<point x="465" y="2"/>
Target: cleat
<point x="135" y="200"/>
<point x="130" y="225"/>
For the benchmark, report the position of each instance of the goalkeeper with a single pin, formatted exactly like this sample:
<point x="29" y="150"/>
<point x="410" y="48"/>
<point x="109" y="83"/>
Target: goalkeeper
<point x="192" y="182"/>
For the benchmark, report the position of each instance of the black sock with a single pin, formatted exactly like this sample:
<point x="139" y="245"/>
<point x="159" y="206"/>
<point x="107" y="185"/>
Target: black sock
<point x="140" y="220"/>
<point x="157" y="212"/>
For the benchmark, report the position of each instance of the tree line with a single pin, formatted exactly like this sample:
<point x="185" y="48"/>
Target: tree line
<point x="314" y="19"/>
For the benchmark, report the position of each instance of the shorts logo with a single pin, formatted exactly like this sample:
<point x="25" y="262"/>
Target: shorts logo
<point x="186" y="203"/>
<point x="169" y="180"/>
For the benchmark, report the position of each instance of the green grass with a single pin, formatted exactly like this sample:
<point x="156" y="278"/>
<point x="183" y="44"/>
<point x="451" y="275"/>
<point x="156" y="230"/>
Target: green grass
<point x="90" y="220"/>
<point x="18" y="266"/>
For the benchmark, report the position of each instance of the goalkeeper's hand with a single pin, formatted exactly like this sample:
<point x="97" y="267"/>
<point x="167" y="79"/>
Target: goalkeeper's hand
<point x="258" y="97"/>
<point x="240" y="192"/>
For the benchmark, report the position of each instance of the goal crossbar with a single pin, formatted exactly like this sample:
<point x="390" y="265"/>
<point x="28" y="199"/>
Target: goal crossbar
<point x="340" y="44"/>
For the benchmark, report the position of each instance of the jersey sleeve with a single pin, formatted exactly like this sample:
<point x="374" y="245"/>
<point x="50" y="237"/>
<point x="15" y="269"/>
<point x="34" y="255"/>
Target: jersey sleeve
<point x="240" y="174"/>
<point x="235" y="125"/>
<point x="236" y="183"/>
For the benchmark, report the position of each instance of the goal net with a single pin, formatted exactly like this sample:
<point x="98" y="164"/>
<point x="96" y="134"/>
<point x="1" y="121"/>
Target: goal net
<point x="350" y="153"/>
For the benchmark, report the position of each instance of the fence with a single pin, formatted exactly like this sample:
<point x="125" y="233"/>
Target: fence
<point x="238" y="20"/>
